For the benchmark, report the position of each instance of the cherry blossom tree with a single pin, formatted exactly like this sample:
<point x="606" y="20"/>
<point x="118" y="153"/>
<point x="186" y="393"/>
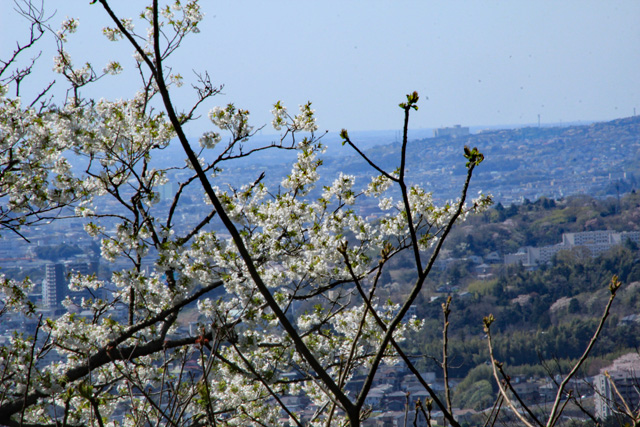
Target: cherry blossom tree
<point x="247" y="263"/>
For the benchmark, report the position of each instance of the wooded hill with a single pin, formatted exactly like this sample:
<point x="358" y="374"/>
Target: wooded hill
<point x="544" y="317"/>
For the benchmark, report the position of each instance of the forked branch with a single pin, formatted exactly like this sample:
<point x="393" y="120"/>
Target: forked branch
<point x="558" y="405"/>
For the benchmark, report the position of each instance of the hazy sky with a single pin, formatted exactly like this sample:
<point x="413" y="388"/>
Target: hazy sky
<point x="477" y="62"/>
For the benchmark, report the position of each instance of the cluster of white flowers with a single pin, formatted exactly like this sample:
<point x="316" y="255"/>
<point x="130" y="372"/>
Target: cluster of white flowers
<point x="304" y="174"/>
<point x="305" y="121"/>
<point x="69" y="25"/>
<point x="127" y="23"/>
<point x="280" y="116"/>
<point x="112" y="68"/>
<point x="209" y="140"/>
<point x="421" y="203"/>
<point x="35" y="175"/>
<point x="232" y="119"/>
<point x="80" y="76"/>
<point x="342" y="188"/>
<point x="378" y="185"/>
<point x="121" y="126"/>
<point x="16" y="294"/>
<point x="61" y="62"/>
<point x="85" y="209"/>
<point x="192" y="15"/>
<point x="112" y="34"/>
<point x="176" y="79"/>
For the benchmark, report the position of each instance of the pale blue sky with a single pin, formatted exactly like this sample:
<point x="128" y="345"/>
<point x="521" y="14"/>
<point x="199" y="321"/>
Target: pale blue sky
<point x="478" y="62"/>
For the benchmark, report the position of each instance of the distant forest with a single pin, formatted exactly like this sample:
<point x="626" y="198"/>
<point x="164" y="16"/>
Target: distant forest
<point x="544" y="317"/>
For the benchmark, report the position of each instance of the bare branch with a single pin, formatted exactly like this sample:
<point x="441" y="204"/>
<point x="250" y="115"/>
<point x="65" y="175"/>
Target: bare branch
<point x="555" y="414"/>
<point x="494" y="364"/>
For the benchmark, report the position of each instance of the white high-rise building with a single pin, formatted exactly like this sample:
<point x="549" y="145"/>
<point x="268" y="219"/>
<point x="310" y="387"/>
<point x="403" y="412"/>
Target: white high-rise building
<point x="54" y="286"/>
<point x="624" y="375"/>
<point x="597" y="243"/>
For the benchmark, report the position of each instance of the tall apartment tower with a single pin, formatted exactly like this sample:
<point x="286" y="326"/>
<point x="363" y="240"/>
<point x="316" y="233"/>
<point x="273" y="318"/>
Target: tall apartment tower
<point x="54" y="287"/>
<point x="624" y="374"/>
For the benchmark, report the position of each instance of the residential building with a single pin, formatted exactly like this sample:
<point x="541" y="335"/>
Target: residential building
<point x="54" y="286"/>
<point x="454" y="132"/>
<point x="624" y="375"/>
<point x="597" y="242"/>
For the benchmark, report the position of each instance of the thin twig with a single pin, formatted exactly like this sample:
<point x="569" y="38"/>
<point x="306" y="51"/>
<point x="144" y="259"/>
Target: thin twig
<point x="614" y="285"/>
<point x="494" y="364"/>
<point x="446" y="310"/>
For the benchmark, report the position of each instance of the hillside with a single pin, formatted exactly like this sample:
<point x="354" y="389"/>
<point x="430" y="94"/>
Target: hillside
<point x="597" y="159"/>
<point x="544" y="317"/>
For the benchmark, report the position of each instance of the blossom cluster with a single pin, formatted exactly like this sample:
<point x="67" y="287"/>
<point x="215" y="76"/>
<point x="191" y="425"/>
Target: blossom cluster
<point x="232" y="119"/>
<point x="305" y="121"/>
<point x="35" y="176"/>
